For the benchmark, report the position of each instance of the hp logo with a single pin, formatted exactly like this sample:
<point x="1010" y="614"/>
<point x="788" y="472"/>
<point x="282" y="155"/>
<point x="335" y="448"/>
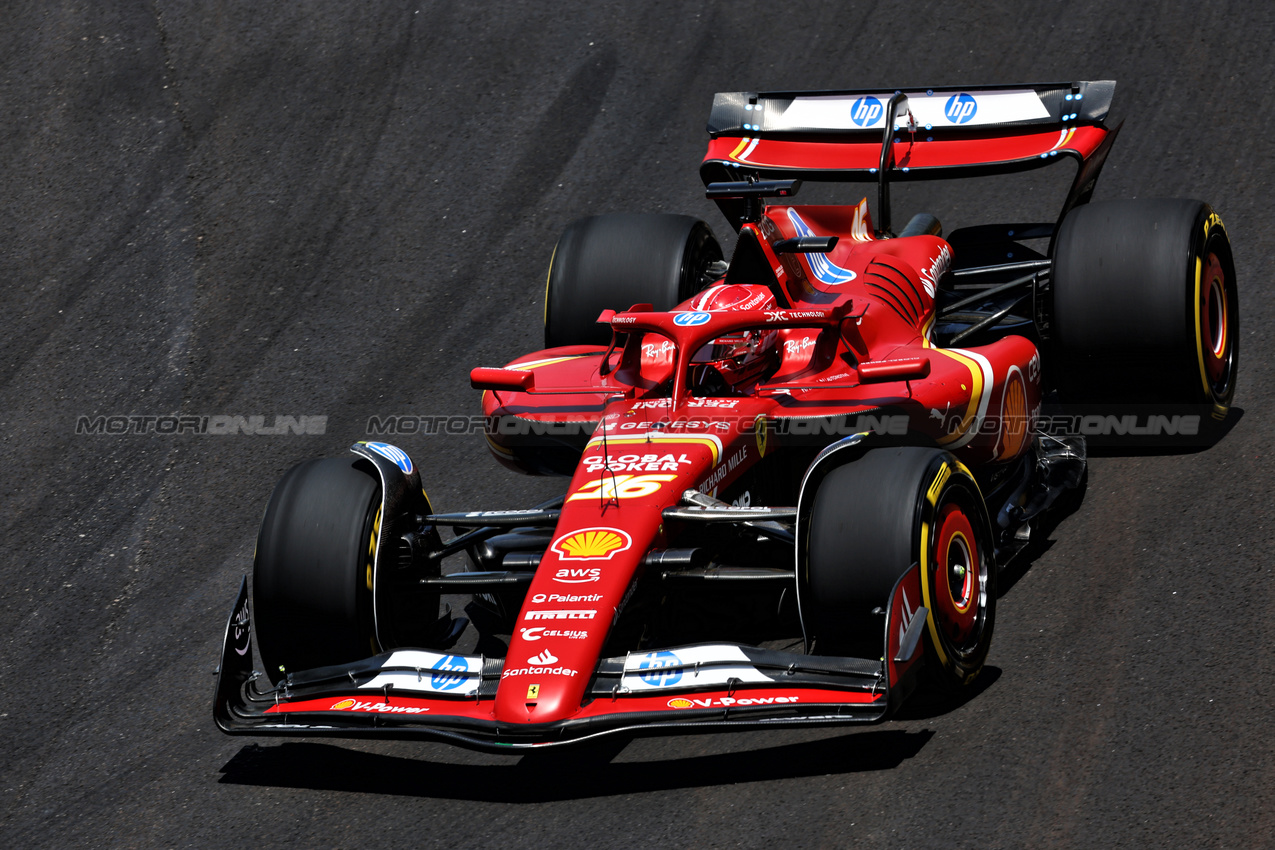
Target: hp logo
<point x="656" y="665"/>
<point x="960" y="108"/>
<point x="690" y="320"/>
<point x="445" y="678"/>
<point x="865" y="111"/>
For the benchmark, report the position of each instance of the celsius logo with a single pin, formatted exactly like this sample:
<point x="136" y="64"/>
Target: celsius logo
<point x="545" y="657"/>
<point x="656" y="669"/>
<point x="690" y="320"/>
<point x="447" y="669"/>
<point x="865" y="111"/>
<point x="960" y="108"/>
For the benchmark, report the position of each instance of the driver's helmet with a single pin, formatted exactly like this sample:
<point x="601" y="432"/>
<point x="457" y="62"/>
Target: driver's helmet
<point x="739" y="357"/>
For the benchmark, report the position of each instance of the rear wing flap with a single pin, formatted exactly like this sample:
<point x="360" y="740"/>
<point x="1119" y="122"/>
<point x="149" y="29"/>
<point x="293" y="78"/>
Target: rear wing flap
<point x="940" y="132"/>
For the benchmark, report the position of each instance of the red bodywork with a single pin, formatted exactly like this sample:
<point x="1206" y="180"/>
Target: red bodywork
<point x="834" y="344"/>
<point x="661" y="440"/>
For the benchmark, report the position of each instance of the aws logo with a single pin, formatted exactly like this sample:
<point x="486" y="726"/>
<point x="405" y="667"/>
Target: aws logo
<point x="578" y="575"/>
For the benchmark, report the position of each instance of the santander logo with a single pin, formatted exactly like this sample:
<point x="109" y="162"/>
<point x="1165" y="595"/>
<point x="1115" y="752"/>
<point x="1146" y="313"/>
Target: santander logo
<point x="545" y="657"/>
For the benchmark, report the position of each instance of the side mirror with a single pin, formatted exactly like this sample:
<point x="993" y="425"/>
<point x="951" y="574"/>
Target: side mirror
<point x="806" y="245"/>
<point x="880" y="371"/>
<point x="512" y="380"/>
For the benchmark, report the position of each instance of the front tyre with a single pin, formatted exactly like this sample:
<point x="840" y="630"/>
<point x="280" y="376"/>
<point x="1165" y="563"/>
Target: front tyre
<point x="312" y="573"/>
<point x="871" y="520"/>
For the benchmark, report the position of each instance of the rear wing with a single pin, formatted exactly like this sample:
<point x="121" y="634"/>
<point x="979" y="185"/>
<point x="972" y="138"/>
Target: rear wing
<point x="869" y="135"/>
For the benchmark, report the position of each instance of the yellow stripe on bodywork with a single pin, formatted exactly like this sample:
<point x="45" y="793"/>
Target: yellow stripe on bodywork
<point x="743" y="143"/>
<point x="713" y="443"/>
<point x="976" y="394"/>
<point x="536" y="364"/>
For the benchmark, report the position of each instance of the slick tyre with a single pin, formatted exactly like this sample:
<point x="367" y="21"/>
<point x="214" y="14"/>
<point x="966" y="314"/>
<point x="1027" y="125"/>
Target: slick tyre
<point x="611" y="262"/>
<point x="1145" y="307"/>
<point x="871" y="520"/>
<point x="312" y="596"/>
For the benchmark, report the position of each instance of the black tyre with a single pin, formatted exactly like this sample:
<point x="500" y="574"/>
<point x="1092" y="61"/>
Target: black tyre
<point x="871" y="520"/>
<point x="611" y="262"/>
<point x="1145" y="307"/>
<point x="311" y="585"/>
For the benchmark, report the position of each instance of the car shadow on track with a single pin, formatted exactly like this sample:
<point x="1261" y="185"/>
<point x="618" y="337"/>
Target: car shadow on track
<point x="1210" y="432"/>
<point x="576" y="773"/>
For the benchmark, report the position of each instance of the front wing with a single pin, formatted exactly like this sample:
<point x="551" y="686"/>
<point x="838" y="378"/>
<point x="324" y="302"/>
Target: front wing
<point x="416" y="693"/>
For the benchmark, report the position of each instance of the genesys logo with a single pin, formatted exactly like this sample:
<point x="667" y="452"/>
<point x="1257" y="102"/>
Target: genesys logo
<point x="378" y="707"/>
<point x="538" y="632"/>
<point x="723" y="702"/>
<point x="578" y="575"/>
<point x="570" y="614"/>
<point x="592" y="544"/>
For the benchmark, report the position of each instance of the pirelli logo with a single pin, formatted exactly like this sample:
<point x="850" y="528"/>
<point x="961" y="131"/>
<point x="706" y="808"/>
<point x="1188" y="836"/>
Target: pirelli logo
<point x="562" y="615"/>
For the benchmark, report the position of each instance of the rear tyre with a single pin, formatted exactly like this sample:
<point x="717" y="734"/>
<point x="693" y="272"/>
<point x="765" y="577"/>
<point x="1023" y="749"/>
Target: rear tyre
<point x="1145" y="306"/>
<point x="611" y="262"/>
<point x="871" y="520"/>
<point x="311" y="585"/>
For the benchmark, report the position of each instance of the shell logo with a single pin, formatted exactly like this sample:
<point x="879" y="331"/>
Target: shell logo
<point x="680" y="703"/>
<point x="1015" y="422"/>
<point x="342" y="705"/>
<point x="590" y="544"/>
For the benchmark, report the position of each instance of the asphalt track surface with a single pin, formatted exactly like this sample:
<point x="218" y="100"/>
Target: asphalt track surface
<point x="337" y="209"/>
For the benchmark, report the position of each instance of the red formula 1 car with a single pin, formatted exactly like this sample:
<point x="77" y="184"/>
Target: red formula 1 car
<point x="793" y="477"/>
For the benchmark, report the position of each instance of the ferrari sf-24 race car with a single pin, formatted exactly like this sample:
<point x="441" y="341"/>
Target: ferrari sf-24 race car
<point x="794" y="476"/>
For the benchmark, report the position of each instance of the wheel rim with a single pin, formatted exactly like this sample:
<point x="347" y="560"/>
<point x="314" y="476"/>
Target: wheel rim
<point x="958" y="578"/>
<point x="1215" y="336"/>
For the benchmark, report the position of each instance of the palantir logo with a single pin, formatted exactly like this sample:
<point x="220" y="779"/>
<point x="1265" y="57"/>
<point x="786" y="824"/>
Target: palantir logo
<point x="657" y="665"/>
<point x="865" y="111"/>
<point x="960" y="108"/>
<point x="448" y="667"/>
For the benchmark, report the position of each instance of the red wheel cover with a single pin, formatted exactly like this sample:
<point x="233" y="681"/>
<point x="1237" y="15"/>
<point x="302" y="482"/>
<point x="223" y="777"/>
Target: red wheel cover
<point x="956" y="575"/>
<point x="1214" y="330"/>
